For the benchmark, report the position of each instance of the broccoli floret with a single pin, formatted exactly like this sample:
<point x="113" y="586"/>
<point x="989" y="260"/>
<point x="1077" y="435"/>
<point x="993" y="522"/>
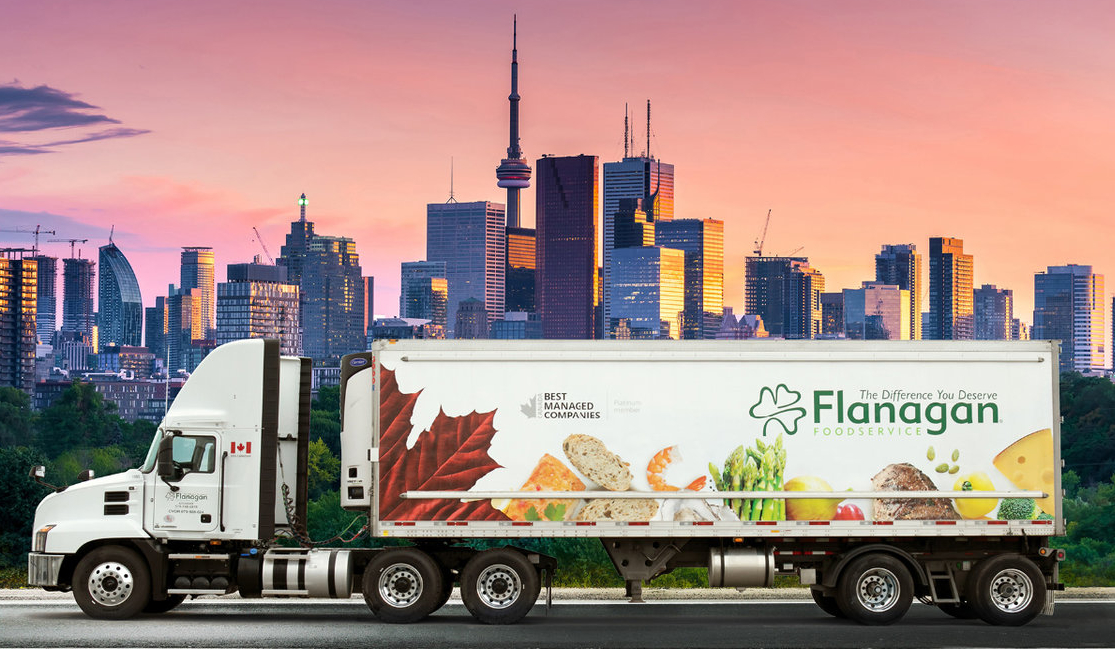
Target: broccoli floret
<point x="1044" y="517"/>
<point x="1017" y="509"/>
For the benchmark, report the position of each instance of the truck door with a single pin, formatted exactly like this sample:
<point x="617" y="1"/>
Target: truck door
<point x="188" y="501"/>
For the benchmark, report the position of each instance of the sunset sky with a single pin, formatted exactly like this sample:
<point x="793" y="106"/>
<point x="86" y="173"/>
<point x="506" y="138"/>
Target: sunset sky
<point x="857" y="123"/>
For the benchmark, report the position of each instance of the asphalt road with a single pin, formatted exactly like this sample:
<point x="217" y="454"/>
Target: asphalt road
<point x="778" y="623"/>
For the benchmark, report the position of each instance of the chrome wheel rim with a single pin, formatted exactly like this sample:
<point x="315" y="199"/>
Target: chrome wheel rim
<point x="111" y="583"/>
<point x="1011" y="590"/>
<point x="400" y="585"/>
<point x="499" y="586"/>
<point x="878" y="590"/>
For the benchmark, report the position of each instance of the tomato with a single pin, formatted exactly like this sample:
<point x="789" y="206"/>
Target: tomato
<point x="848" y="512"/>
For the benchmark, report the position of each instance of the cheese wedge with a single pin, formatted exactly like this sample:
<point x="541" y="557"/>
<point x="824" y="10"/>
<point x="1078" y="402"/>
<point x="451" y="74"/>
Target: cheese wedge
<point x="1029" y="464"/>
<point x="548" y="475"/>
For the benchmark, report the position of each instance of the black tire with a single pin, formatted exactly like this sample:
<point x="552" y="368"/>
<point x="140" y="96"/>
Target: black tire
<point x="961" y="611"/>
<point x="499" y="586"/>
<point x="446" y="588"/>
<point x="875" y="589"/>
<point x="165" y="605"/>
<point x="827" y="604"/>
<point x="112" y="583"/>
<point x="1007" y="590"/>
<point x="402" y="585"/>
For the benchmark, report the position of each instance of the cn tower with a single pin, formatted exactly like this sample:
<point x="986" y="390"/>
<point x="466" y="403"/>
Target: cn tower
<point x="513" y="171"/>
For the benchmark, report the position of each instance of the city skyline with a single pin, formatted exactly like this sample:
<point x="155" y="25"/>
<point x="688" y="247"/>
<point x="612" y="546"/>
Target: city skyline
<point x="925" y="120"/>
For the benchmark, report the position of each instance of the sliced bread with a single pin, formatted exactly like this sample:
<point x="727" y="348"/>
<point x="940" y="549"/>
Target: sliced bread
<point x="597" y="463"/>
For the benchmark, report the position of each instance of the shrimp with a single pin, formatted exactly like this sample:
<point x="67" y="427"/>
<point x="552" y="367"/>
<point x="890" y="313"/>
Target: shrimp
<point x="657" y="467"/>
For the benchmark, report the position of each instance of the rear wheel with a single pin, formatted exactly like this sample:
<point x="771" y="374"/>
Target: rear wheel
<point x="402" y="585"/>
<point x="1006" y="590"/>
<point x="165" y="605"/>
<point x="875" y="589"/>
<point x="826" y="603"/>
<point x="960" y="611"/>
<point x="112" y="583"/>
<point x="499" y="586"/>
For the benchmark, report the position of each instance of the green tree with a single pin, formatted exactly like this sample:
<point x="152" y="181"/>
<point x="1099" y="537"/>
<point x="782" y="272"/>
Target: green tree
<point x="1088" y="429"/>
<point x="323" y="469"/>
<point x="325" y="417"/>
<point x="21" y="496"/>
<point x="80" y="418"/>
<point x="1089" y="547"/>
<point x="15" y="417"/>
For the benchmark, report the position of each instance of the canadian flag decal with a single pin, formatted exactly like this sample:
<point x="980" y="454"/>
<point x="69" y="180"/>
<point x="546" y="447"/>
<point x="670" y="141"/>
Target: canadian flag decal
<point x="244" y="448"/>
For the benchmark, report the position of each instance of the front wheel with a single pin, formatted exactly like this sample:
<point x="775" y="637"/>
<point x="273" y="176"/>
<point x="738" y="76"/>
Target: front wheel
<point x="165" y="605"/>
<point x="1006" y="590"/>
<point x="875" y="589"/>
<point x="112" y="583"/>
<point x="402" y="585"/>
<point x="499" y="586"/>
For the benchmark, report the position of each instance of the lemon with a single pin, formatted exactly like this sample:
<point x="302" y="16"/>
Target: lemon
<point x="974" y="507"/>
<point x="810" y="509"/>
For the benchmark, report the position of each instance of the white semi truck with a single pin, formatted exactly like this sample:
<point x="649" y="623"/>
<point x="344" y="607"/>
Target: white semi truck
<point x="877" y="472"/>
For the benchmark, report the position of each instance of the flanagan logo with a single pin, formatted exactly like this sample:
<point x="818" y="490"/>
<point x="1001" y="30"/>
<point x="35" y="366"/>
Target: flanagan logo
<point x="874" y="413"/>
<point x="778" y="408"/>
<point x="175" y="496"/>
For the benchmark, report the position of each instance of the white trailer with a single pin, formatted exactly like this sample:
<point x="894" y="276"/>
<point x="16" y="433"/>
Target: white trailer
<point x="877" y="472"/>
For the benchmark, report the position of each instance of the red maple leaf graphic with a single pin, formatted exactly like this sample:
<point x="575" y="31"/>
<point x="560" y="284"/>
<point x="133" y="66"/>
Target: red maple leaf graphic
<point x="451" y="456"/>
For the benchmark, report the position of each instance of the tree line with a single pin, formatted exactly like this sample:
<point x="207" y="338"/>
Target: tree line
<point x="82" y="431"/>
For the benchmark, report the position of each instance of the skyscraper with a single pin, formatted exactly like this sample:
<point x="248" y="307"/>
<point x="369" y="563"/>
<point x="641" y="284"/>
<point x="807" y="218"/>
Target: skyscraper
<point x="900" y="265"/>
<point x="640" y="177"/>
<point x="703" y="244"/>
<point x="369" y="291"/>
<point x="785" y="291"/>
<point x="513" y="171"/>
<point x="832" y="314"/>
<point x="876" y="311"/>
<point x="198" y="272"/>
<point x="185" y="325"/>
<point x="519" y="278"/>
<point x="331" y="290"/>
<point x="155" y="328"/>
<point x="993" y="311"/>
<point x="77" y="297"/>
<point x="648" y="292"/>
<point x="257" y="301"/>
<point x="1069" y="306"/>
<point x="119" y="304"/>
<point x="18" y="281"/>
<point x="424" y="293"/>
<point x="470" y="238"/>
<point x="46" y="298"/>
<point x="472" y="320"/>
<point x="567" y="200"/>
<point x="950" y="290"/>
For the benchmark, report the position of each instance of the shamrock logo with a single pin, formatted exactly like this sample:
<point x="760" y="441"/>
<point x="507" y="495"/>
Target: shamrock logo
<point x="776" y="406"/>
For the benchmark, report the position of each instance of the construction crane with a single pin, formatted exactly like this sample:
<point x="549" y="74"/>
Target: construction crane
<point x="70" y="241"/>
<point x="795" y="251"/>
<point x="762" y="237"/>
<point x="264" y="246"/>
<point x="37" y="231"/>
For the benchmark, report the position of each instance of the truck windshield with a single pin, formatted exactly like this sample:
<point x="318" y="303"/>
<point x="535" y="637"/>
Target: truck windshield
<point x="152" y="452"/>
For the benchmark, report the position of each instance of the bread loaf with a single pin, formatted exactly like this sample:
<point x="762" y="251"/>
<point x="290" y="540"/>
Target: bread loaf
<point x="618" y="509"/>
<point x="597" y="463"/>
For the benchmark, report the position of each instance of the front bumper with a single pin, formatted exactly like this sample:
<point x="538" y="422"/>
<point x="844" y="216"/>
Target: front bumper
<point x="43" y="569"/>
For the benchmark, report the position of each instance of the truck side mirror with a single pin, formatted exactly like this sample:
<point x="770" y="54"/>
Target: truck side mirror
<point x="38" y="472"/>
<point x="164" y="465"/>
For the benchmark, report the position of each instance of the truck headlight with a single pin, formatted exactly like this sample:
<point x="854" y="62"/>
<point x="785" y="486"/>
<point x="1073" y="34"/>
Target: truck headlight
<point x="40" y="538"/>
